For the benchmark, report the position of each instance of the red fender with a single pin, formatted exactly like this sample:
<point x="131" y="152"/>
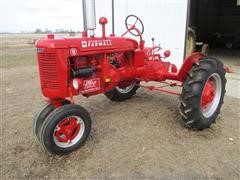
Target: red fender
<point x="187" y="64"/>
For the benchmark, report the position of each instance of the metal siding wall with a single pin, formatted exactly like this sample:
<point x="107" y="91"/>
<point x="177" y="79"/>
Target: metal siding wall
<point x="164" y="20"/>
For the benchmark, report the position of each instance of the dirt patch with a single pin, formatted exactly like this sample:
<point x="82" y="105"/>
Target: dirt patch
<point x="139" y="138"/>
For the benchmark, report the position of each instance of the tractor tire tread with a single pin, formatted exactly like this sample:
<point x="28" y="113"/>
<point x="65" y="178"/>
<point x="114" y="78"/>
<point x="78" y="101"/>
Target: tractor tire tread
<point x="40" y="117"/>
<point x="69" y="108"/>
<point x="192" y="90"/>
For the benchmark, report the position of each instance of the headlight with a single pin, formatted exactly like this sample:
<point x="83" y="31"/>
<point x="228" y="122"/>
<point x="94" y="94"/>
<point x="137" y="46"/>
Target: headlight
<point x="75" y="84"/>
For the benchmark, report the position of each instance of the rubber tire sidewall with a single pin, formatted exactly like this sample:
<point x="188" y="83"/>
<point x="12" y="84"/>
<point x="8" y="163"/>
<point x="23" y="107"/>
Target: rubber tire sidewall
<point x="54" y="118"/>
<point x="195" y="93"/>
<point x="39" y="119"/>
<point x="208" y="121"/>
<point x="116" y="95"/>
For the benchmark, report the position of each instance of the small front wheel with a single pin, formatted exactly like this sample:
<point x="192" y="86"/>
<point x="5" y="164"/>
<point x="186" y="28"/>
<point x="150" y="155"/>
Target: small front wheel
<point x="65" y="129"/>
<point x="40" y="117"/>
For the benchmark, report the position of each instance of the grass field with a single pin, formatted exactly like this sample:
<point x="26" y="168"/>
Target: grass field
<point x="18" y="49"/>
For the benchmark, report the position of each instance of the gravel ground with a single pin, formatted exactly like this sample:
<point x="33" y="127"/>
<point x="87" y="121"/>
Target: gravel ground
<point x="140" y="138"/>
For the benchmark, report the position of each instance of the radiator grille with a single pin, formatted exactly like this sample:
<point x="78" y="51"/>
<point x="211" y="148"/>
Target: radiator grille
<point x="48" y="70"/>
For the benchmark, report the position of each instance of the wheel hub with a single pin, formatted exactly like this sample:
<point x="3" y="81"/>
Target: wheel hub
<point x="125" y="87"/>
<point x="211" y="95"/>
<point x="208" y="93"/>
<point x="68" y="131"/>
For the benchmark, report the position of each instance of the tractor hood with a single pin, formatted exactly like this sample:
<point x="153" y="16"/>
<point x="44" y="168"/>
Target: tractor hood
<point x="89" y="44"/>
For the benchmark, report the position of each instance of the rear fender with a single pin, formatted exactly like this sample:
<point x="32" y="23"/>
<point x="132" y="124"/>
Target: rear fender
<point x="187" y="64"/>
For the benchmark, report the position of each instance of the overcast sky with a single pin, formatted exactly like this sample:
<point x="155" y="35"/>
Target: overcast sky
<point x="28" y="15"/>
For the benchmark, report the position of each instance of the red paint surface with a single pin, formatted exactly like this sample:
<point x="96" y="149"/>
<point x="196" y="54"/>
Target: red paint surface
<point x="58" y="57"/>
<point x="208" y="94"/>
<point x="67" y="130"/>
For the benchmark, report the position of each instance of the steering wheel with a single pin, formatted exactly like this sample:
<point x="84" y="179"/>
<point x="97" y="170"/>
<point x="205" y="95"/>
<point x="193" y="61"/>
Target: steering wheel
<point x="131" y="27"/>
<point x="156" y="48"/>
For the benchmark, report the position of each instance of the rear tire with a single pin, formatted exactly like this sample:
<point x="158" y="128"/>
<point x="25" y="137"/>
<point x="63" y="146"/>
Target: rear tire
<point x="205" y="49"/>
<point x="202" y="94"/>
<point x="65" y="129"/>
<point x="191" y="41"/>
<point x="121" y="94"/>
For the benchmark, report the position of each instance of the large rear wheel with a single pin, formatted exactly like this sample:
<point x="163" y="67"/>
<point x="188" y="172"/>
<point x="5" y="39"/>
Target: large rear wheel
<point x="123" y="91"/>
<point x="202" y="94"/>
<point x="191" y="41"/>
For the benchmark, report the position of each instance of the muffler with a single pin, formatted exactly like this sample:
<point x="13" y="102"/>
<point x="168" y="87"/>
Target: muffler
<point x="89" y="16"/>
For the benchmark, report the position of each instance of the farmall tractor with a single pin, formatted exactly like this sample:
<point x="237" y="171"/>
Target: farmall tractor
<point x="116" y="66"/>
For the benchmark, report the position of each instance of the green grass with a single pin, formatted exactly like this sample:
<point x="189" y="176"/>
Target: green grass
<point x="18" y="50"/>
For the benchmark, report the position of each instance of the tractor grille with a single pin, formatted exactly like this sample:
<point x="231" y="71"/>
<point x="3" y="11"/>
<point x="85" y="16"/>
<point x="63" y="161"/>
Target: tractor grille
<point x="48" y="70"/>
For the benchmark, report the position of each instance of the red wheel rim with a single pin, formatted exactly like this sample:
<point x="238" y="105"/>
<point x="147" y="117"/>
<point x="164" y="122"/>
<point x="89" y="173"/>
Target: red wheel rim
<point x="208" y="94"/>
<point x="68" y="131"/>
<point x="211" y="95"/>
<point x="125" y="87"/>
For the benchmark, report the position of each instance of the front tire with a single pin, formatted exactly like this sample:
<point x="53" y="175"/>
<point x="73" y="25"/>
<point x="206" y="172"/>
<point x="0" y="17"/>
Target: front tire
<point x="40" y="117"/>
<point x="202" y="94"/>
<point x="65" y="129"/>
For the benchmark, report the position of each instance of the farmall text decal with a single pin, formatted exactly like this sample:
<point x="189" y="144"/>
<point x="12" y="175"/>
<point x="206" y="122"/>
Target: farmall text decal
<point x="96" y="43"/>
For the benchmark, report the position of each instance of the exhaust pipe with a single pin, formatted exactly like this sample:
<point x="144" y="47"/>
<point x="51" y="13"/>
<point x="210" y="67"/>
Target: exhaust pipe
<point x="113" y="17"/>
<point x="84" y="15"/>
<point x="89" y="16"/>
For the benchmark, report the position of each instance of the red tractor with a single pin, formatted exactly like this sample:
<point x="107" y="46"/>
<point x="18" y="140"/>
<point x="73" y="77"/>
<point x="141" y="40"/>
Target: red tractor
<point x="116" y="66"/>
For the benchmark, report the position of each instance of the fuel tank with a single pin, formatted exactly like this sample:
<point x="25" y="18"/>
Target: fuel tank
<point x="88" y="46"/>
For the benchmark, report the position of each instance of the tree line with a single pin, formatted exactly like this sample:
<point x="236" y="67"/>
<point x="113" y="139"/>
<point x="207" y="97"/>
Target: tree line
<point x="47" y="31"/>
